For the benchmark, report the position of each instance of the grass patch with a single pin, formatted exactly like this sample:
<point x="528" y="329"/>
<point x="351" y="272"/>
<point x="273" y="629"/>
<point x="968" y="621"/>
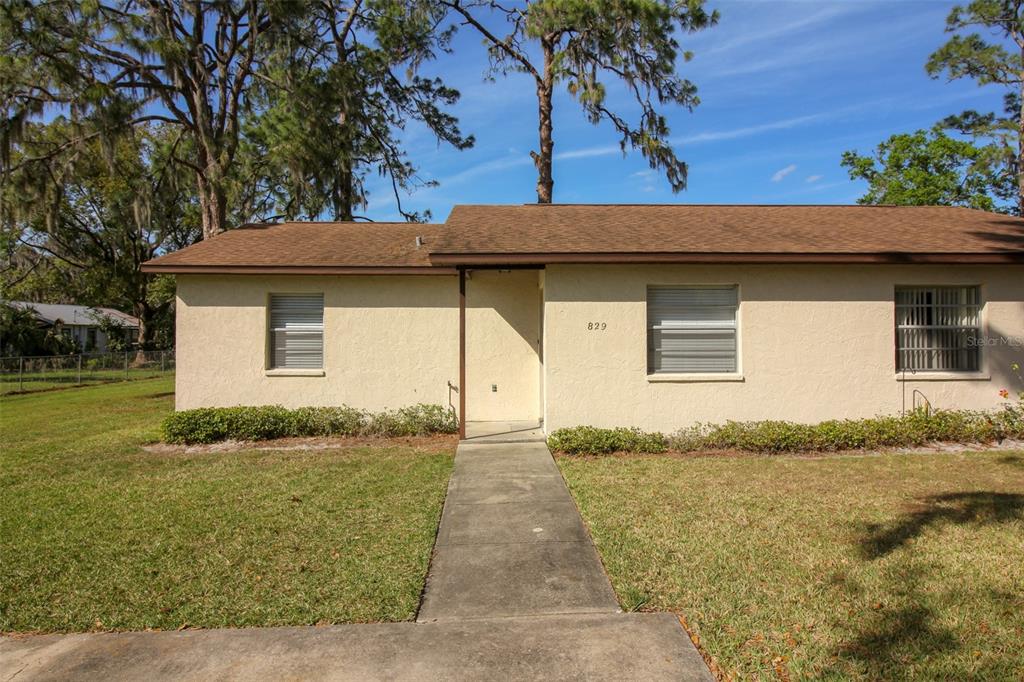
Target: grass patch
<point x="902" y="566"/>
<point x="48" y="381"/>
<point x="96" y="533"/>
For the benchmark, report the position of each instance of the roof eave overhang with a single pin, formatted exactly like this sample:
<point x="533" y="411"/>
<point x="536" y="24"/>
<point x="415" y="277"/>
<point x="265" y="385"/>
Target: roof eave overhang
<point x="181" y="269"/>
<point x="893" y="258"/>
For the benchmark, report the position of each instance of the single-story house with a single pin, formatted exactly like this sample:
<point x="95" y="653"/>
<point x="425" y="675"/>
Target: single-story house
<point x="82" y="324"/>
<point x="655" y="316"/>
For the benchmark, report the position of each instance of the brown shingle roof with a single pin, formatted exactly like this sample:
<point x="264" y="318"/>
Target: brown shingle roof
<point x="602" y="233"/>
<point x="537" y="234"/>
<point x="308" y="247"/>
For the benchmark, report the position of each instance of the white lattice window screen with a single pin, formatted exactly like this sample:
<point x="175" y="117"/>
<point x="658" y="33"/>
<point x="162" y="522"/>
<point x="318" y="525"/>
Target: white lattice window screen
<point x="691" y="330"/>
<point x="938" y="329"/>
<point x="297" y="331"/>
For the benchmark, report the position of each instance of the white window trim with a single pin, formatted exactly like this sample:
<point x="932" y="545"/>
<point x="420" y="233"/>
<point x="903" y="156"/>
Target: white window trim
<point x="695" y="378"/>
<point x="983" y="373"/>
<point x="921" y="375"/>
<point x="268" y="353"/>
<point x="698" y="377"/>
<point x="285" y="372"/>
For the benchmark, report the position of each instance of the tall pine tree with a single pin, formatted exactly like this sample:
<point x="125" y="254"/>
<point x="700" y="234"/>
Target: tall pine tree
<point x="996" y="59"/>
<point x="583" y="43"/>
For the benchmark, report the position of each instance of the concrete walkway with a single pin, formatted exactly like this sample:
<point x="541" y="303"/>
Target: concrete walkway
<point x="515" y="590"/>
<point x="511" y="542"/>
<point x="504" y="432"/>
<point x="619" y="647"/>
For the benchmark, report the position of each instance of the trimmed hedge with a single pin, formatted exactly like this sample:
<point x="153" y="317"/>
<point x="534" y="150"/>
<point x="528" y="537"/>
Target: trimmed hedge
<point x="589" y="440"/>
<point x="913" y="429"/>
<point x="266" y="422"/>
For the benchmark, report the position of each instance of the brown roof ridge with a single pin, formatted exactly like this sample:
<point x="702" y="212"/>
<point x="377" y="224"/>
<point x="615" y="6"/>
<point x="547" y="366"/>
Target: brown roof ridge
<point x="510" y="233"/>
<point x="730" y="205"/>
<point x="338" y="222"/>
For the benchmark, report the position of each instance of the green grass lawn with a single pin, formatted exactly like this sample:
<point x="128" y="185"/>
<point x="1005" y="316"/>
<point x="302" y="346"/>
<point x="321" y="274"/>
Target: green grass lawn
<point x="97" y="533"/>
<point x="887" y="566"/>
<point x="44" y="381"/>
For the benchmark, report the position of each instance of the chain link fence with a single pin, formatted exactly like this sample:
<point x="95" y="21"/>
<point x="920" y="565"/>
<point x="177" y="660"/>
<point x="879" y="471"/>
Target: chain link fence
<point x="27" y="374"/>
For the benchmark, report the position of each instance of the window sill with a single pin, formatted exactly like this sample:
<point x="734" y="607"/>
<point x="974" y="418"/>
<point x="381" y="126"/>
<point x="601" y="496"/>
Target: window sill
<point x="944" y="376"/>
<point x="294" y="373"/>
<point x="694" y="378"/>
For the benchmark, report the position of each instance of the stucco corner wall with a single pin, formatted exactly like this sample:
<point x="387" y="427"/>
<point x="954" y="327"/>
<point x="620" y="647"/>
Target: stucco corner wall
<point x="389" y="341"/>
<point x="815" y="343"/>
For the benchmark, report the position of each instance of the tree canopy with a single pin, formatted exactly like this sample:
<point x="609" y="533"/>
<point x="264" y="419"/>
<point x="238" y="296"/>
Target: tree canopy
<point x="85" y="226"/>
<point x="930" y="167"/>
<point x="309" y="92"/>
<point x="585" y="43"/>
<point x="998" y="59"/>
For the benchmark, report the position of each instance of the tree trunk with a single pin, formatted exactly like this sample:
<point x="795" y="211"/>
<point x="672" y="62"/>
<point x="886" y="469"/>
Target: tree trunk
<point x="345" y="194"/>
<point x="212" y="206"/>
<point x="1020" y="146"/>
<point x="144" y="313"/>
<point x="543" y="159"/>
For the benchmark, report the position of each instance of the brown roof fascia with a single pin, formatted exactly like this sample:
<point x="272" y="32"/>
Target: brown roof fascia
<point x="990" y="258"/>
<point x="169" y="268"/>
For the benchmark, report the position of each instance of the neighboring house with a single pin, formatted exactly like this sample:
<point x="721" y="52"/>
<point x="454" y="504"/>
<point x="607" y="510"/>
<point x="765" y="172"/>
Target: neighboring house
<point x="82" y="324"/>
<point x="649" y="316"/>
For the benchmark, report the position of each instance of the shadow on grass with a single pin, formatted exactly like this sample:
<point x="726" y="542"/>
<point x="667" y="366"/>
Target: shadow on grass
<point x="892" y="638"/>
<point x="892" y="641"/>
<point x="906" y="629"/>
<point x="164" y="394"/>
<point x="1012" y="460"/>
<point x="978" y="508"/>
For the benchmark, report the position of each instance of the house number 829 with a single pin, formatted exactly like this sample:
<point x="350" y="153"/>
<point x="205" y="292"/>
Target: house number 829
<point x="597" y="326"/>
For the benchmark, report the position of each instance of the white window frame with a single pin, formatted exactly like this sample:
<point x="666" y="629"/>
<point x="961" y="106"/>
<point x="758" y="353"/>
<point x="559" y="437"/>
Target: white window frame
<point x="272" y="369"/>
<point x="698" y="376"/>
<point x="899" y="327"/>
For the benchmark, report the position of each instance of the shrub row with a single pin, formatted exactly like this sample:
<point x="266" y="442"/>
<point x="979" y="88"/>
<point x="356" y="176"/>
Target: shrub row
<point x="590" y="440"/>
<point x="913" y="429"/>
<point x="212" y="424"/>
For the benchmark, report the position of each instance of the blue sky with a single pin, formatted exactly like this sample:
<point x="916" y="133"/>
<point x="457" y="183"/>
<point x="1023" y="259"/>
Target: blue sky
<point x="785" y="88"/>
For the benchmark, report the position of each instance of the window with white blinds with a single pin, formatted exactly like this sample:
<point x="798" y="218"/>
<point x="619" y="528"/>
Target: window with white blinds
<point x="691" y="330"/>
<point x="297" y="331"/>
<point x="938" y="329"/>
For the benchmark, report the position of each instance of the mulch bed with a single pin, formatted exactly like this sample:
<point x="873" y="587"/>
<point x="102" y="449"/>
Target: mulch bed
<point x="433" y="443"/>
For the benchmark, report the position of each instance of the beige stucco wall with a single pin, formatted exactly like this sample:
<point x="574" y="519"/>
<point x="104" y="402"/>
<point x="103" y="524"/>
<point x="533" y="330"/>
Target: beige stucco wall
<point x="815" y="342"/>
<point x="503" y="330"/>
<point x="388" y="341"/>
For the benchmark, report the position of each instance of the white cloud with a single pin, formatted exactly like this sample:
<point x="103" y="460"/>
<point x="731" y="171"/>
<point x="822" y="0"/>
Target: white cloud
<point x="701" y="138"/>
<point x="783" y="172"/>
<point x="747" y="131"/>
<point x="588" y="152"/>
<point x="767" y="34"/>
<point x="813" y="178"/>
<point x="813" y="52"/>
<point x="486" y="167"/>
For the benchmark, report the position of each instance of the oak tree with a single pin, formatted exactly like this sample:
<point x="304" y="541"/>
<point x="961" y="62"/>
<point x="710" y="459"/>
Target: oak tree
<point x="931" y="167"/>
<point x="279" y="102"/>
<point x="81" y="229"/>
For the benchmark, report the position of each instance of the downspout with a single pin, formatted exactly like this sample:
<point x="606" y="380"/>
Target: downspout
<point x="462" y="353"/>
